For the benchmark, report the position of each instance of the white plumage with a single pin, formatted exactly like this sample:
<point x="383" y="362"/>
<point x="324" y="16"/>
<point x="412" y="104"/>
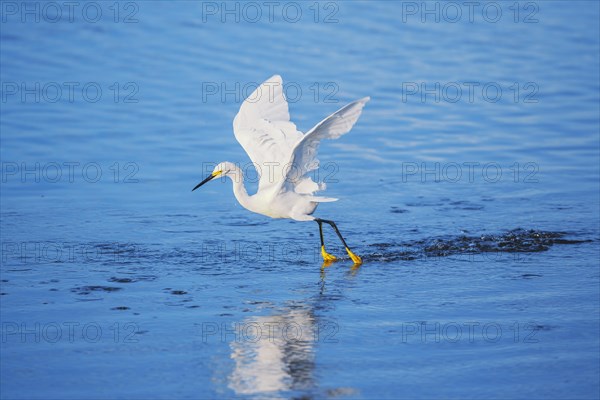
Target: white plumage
<point x="283" y="156"/>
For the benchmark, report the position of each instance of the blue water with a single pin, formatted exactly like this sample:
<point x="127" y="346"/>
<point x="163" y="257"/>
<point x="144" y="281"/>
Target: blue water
<point x="477" y="217"/>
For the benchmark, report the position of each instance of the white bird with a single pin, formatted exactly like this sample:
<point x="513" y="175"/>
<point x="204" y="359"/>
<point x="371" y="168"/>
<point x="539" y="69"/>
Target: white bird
<point x="283" y="157"/>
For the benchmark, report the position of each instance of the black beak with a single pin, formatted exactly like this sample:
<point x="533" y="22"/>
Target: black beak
<point x="210" y="177"/>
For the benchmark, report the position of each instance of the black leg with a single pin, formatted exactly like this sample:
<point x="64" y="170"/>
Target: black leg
<point x="320" y="222"/>
<point x="354" y="257"/>
<point x="334" y="226"/>
<point x="327" y="258"/>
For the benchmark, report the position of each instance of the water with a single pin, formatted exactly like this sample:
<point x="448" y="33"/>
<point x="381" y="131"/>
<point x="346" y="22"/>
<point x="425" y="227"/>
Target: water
<point x="117" y="282"/>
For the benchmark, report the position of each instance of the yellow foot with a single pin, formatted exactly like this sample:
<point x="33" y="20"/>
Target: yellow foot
<point x="356" y="259"/>
<point x="327" y="258"/>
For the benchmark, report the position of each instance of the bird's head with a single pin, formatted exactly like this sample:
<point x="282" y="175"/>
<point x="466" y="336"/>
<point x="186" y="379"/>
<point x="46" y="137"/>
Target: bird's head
<point x="224" y="168"/>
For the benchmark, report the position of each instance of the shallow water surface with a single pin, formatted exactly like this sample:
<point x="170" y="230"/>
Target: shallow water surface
<point x="477" y="218"/>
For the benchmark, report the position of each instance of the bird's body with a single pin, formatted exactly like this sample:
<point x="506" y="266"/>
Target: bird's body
<point x="272" y="202"/>
<point x="283" y="156"/>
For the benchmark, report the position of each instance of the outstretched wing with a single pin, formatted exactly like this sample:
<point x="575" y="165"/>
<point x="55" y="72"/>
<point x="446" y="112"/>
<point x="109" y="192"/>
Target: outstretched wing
<point x="263" y="128"/>
<point x="304" y="155"/>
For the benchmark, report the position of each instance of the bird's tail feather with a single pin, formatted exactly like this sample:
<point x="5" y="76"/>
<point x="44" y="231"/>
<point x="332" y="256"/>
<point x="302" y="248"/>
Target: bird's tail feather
<point x="321" y="199"/>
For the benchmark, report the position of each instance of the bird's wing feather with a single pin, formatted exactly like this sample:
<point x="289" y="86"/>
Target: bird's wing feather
<point x="263" y="128"/>
<point x="304" y="155"/>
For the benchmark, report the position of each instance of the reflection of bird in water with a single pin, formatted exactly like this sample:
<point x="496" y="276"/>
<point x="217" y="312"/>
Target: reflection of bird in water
<point x="274" y="353"/>
<point x="284" y="157"/>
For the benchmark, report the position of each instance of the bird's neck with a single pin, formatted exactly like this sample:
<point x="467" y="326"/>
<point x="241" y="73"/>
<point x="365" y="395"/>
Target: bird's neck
<point x="239" y="190"/>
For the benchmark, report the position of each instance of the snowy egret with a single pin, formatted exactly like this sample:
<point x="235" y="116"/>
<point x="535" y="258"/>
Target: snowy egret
<point x="283" y="156"/>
